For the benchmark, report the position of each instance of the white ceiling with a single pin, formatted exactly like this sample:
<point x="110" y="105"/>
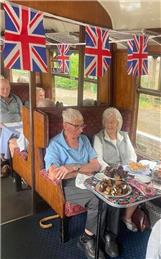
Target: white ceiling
<point x="133" y="14"/>
<point x="126" y="16"/>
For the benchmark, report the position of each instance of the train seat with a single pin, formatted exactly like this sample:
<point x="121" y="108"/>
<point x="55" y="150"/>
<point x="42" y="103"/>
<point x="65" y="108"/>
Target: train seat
<point x="48" y="123"/>
<point x="21" y="161"/>
<point x="22" y="90"/>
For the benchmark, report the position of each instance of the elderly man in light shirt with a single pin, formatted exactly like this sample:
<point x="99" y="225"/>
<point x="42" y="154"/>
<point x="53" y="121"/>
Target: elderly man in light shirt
<point x="70" y="158"/>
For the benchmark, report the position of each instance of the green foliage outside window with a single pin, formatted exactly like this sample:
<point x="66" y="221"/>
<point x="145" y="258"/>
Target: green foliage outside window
<point x="71" y="83"/>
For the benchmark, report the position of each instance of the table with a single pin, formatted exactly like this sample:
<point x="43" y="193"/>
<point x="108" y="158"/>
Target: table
<point x="134" y="198"/>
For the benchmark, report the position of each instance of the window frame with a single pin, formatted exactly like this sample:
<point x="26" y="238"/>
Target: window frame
<point x="146" y="91"/>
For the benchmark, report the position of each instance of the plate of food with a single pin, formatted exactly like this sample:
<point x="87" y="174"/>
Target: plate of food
<point x="156" y="176"/>
<point x="116" y="172"/>
<point x="137" y="167"/>
<point x="148" y="163"/>
<point x="112" y="188"/>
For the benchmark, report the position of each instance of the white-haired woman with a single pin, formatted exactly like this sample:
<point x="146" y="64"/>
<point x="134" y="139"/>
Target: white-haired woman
<point x="113" y="146"/>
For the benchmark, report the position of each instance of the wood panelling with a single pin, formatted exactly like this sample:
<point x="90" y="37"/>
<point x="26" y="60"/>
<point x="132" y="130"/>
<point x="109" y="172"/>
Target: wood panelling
<point x="46" y="78"/>
<point x="124" y="88"/>
<point x="124" y="85"/>
<point x="104" y="89"/>
<point x="90" y="12"/>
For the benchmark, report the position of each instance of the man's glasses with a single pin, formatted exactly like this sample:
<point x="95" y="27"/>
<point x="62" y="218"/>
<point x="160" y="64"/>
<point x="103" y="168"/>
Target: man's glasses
<point x="82" y="126"/>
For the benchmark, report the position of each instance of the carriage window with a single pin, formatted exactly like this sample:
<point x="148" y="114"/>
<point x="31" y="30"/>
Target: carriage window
<point x="20" y="76"/>
<point x="66" y="84"/>
<point x="153" y="79"/>
<point x="90" y="91"/>
<point x="149" y="114"/>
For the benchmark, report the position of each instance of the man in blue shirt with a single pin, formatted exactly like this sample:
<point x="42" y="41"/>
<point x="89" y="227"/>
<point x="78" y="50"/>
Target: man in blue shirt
<point x="70" y="157"/>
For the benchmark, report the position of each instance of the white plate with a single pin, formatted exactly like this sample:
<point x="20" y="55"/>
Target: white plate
<point x="149" y="163"/>
<point x="143" y="178"/>
<point x="100" y="176"/>
<point x="137" y="172"/>
<point x="117" y="196"/>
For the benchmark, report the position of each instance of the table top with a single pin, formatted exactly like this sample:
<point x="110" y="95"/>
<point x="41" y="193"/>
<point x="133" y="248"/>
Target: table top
<point x="134" y="198"/>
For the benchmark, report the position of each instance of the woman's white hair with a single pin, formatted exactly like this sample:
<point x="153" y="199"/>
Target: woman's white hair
<point x="112" y="112"/>
<point x="39" y="89"/>
<point x="70" y="115"/>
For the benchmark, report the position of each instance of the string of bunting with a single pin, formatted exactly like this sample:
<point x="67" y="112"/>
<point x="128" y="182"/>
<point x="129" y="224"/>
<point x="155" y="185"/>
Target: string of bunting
<point x="97" y="45"/>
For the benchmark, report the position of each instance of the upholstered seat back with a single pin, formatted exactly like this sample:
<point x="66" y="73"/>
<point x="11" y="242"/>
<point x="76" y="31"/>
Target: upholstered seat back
<point x="47" y="124"/>
<point x="92" y="118"/>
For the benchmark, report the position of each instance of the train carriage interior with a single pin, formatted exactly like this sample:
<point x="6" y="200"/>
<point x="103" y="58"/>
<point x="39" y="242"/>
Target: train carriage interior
<point x="30" y="201"/>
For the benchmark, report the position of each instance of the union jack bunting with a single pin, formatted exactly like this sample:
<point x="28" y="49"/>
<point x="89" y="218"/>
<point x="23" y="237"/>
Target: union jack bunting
<point x="63" y="58"/>
<point x="24" y="39"/>
<point x="97" y="51"/>
<point x="138" y="55"/>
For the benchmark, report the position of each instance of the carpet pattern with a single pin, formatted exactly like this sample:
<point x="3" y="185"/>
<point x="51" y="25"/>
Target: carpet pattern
<point x="24" y="239"/>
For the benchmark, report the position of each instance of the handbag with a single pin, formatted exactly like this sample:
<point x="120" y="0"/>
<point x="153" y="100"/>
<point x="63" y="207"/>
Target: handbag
<point x="140" y="218"/>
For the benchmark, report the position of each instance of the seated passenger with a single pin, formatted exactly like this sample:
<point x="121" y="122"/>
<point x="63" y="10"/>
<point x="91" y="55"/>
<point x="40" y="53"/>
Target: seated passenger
<point x="10" y="103"/>
<point x="154" y="242"/>
<point x="45" y="103"/>
<point x="11" y="114"/>
<point x="113" y="147"/>
<point x="68" y="156"/>
<point x="89" y="102"/>
<point x="40" y="94"/>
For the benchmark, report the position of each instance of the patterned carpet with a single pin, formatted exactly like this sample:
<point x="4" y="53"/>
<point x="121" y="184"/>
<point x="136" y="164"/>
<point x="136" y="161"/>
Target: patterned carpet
<point x="24" y="239"/>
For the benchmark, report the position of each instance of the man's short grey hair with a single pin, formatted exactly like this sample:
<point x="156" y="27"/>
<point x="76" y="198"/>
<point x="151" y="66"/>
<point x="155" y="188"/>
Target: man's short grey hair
<point x="70" y="115"/>
<point x="112" y="112"/>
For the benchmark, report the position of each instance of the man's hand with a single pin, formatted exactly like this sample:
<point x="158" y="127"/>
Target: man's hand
<point x="62" y="172"/>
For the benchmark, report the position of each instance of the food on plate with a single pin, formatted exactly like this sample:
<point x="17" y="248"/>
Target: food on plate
<point x="116" y="173"/>
<point x="157" y="173"/>
<point x="134" y="166"/>
<point x="113" y="187"/>
<point x="156" y="176"/>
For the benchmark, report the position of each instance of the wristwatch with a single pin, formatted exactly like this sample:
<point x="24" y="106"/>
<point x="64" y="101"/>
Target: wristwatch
<point x="78" y="169"/>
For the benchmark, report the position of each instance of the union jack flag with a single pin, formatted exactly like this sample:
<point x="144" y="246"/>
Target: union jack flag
<point x="138" y="55"/>
<point x="24" y="39"/>
<point x="63" y="58"/>
<point x="97" y="51"/>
